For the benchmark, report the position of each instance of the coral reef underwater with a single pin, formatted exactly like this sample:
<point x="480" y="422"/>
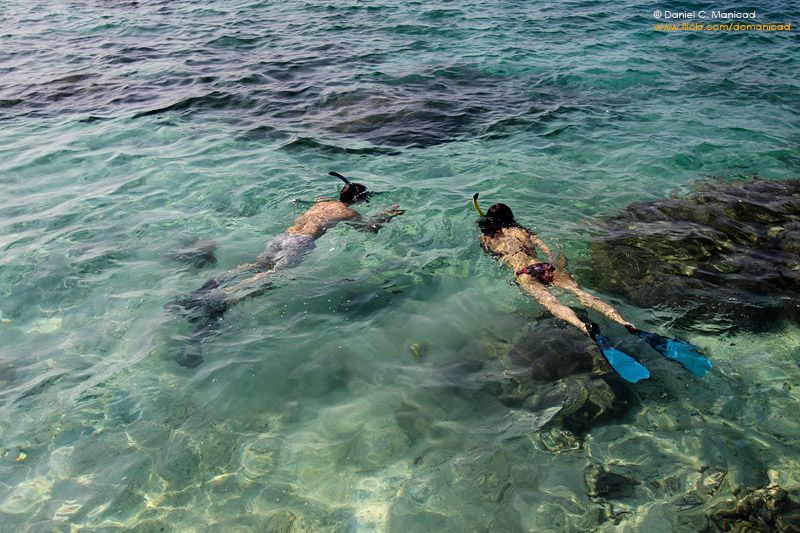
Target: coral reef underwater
<point x="724" y="256"/>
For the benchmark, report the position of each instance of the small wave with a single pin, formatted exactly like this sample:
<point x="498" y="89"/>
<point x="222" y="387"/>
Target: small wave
<point x="93" y="118"/>
<point x="442" y="13"/>
<point x="306" y="143"/>
<point x="131" y="54"/>
<point x="260" y="133"/>
<point x="213" y="100"/>
<point x="236" y="41"/>
<point x="71" y="79"/>
<point x="10" y="102"/>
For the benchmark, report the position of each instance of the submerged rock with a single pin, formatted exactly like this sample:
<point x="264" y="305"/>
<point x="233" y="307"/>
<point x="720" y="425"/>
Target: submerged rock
<point x="605" y="484"/>
<point x="766" y="509"/>
<point x="553" y="369"/>
<point x="280" y="522"/>
<point x="726" y="254"/>
<point x="706" y="486"/>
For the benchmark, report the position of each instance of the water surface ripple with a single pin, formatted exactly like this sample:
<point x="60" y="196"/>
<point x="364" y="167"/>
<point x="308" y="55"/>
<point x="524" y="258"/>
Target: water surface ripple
<point x="352" y="396"/>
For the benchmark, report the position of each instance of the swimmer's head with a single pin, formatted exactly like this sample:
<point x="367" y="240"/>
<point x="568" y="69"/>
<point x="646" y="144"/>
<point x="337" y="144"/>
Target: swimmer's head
<point x="351" y="192"/>
<point x="502" y="216"/>
<point x="498" y="217"/>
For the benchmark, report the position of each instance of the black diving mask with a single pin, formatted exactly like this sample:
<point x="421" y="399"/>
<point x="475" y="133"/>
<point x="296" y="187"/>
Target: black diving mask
<point x="351" y="192"/>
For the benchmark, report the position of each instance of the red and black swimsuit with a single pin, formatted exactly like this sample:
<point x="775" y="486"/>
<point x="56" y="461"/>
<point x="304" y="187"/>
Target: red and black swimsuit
<point x="544" y="272"/>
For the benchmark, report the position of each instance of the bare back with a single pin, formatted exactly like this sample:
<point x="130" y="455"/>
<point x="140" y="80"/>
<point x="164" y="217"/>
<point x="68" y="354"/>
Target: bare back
<point x="322" y="216"/>
<point x="513" y="246"/>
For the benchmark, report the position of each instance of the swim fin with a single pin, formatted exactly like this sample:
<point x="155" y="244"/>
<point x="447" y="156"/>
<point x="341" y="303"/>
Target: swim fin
<point x="626" y="366"/>
<point x="678" y="350"/>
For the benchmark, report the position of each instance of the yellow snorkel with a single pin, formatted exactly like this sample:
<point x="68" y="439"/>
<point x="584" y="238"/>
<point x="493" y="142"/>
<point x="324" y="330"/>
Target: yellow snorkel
<point x="476" y="206"/>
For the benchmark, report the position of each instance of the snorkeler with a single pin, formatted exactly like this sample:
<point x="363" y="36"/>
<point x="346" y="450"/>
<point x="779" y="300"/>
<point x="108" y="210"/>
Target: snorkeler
<point x="516" y="246"/>
<point x="286" y="250"/>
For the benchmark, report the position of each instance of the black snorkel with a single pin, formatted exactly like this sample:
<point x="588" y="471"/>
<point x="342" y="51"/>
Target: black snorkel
<point x="337" y="175"/>
<point x="351" y="192"/>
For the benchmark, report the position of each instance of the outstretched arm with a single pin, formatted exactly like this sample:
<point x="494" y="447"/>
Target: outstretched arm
<point x="539" y="243"/>
<point x="374" y="223"/>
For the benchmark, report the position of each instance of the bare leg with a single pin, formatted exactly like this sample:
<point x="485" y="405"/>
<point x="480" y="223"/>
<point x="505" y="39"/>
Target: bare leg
<point x="285" y="252"/>
<point x="266" y="261"/>
<point x="238" y="271"/>
<point x="565" y="281"/>
<point x="239" y="292"/>
<point x="208" y="295"/>
<point x="214" y="297"/>
<point x="543" y="296"/>
<point x="625" y="365"/>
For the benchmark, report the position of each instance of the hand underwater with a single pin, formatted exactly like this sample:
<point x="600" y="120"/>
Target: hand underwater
<point x="394" y="211"/>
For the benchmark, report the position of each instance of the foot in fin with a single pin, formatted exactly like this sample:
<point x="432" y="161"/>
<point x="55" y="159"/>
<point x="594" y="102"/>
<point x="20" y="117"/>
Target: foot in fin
<point x="206" y="302"/>
<point x="194" y="298"/>
<point x="680" y="351"/>
<point x="623" y="364"/>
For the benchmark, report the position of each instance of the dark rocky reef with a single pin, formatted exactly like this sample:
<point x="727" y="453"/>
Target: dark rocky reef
<point x="555" y="371"/>
<point x="605" y="484"/>
<point x="765" y="509"/>
<point x="725" y="255"/>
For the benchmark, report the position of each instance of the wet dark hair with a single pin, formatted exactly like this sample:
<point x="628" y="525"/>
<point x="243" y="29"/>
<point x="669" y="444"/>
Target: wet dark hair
<point x="498" y="217"/>
<point x="351" y="192"/>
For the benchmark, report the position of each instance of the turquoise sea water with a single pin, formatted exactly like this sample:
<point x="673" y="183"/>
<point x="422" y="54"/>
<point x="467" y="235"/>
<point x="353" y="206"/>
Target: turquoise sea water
<point x="130" y="129"/>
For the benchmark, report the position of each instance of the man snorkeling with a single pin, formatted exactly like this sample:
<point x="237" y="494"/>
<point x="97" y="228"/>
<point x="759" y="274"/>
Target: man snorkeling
<point x="516" y="246"/>
<point x="286" y="250"/>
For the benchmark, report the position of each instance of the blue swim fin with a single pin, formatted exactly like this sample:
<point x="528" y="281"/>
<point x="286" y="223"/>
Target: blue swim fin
<point x="678" y="350"/>
<point x="626" y="366"/>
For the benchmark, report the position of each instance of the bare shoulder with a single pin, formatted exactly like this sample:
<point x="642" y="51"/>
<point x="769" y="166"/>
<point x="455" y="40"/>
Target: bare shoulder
<point x="518" y="232"/>
<point x="509" y="242"/>
<point x="332" y="210"/>
<point x="339" y="210"/>
<point x="492" y="244"/>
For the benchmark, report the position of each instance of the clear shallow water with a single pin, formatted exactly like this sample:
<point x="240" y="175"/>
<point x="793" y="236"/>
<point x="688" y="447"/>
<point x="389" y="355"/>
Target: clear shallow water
<point x="128" y="129"/>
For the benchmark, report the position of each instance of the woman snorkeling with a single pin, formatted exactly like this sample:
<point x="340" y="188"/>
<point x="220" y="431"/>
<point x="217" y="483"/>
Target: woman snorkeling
<point x="516" y="246"/>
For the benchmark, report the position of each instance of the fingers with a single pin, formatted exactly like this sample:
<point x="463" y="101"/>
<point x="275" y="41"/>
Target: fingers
<point x="394" y="210"/>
